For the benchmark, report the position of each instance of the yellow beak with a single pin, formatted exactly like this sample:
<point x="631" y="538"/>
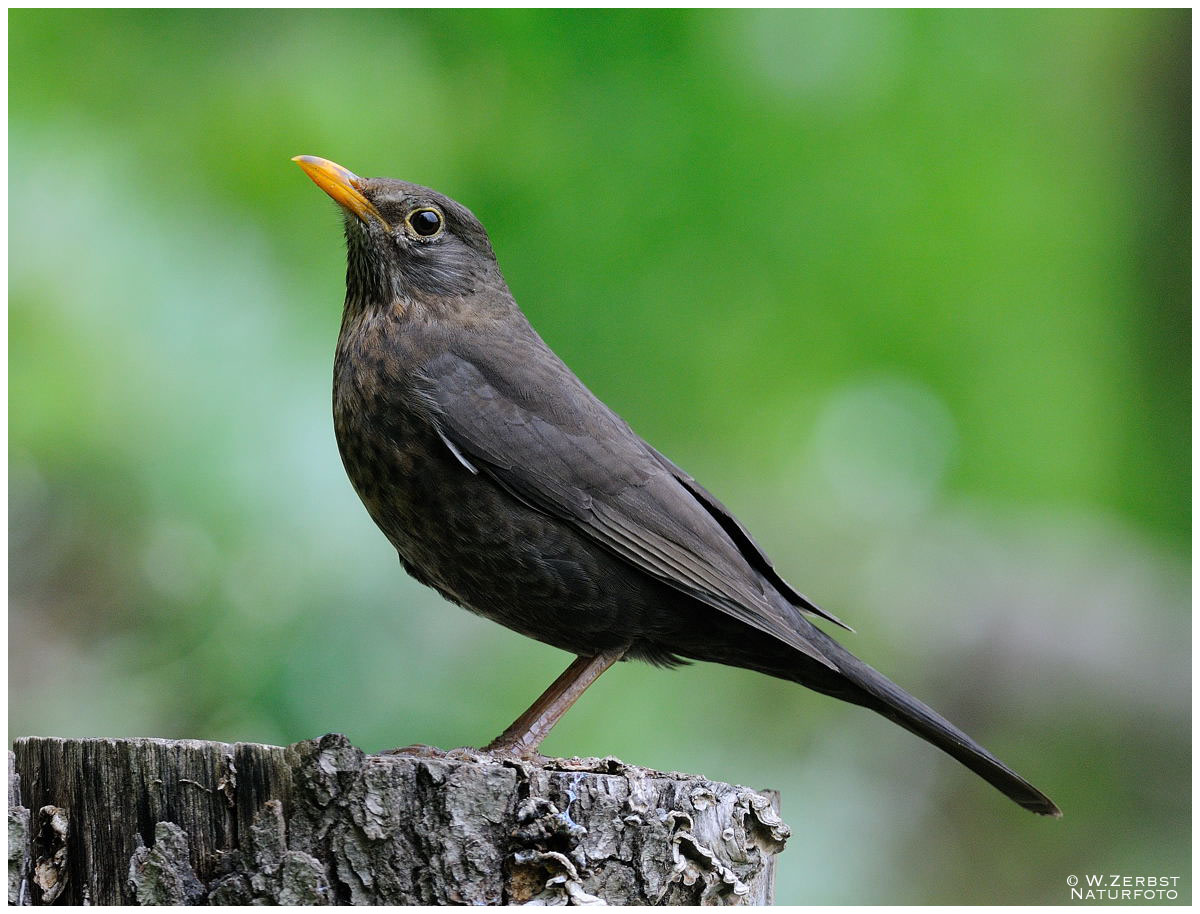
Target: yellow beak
<point x="342" y="184"/>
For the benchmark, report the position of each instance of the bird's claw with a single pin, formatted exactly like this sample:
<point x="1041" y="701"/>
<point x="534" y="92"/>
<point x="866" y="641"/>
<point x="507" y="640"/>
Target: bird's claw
<point x="420" y="750"/>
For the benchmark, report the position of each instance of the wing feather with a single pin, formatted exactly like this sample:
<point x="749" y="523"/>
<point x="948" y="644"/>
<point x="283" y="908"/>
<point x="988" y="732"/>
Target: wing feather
<point x="576" y="460"/>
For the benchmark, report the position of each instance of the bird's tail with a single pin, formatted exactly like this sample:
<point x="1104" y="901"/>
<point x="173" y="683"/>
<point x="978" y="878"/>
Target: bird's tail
<point x="874" y="690"/>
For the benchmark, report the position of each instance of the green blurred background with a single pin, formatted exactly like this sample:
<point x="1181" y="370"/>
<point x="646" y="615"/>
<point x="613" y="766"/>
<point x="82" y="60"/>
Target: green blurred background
<point x="909" y="291"/>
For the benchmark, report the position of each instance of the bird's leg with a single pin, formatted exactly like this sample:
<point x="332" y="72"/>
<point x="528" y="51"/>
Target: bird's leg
<point x="526" y="733"/>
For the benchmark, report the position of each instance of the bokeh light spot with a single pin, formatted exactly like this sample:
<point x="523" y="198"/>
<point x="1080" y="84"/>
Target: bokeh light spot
<point x="883" y="445"/>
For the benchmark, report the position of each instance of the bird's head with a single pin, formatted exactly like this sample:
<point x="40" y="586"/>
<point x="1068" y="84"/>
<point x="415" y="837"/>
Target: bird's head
<point x="404" y="243"/>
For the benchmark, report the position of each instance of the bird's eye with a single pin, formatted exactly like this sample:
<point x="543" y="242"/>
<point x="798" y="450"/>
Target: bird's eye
<point x="425" y="221"/>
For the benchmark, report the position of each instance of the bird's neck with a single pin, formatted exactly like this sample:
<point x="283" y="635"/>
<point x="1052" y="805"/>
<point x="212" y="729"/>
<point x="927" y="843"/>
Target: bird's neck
<point x="368" y="282"/>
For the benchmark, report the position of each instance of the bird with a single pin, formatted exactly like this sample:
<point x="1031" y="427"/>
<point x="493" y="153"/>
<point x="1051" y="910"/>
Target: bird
<point x="508" y="487"/>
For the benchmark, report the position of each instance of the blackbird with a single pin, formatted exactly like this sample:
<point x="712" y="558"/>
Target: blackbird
<point x="509" y="488"/>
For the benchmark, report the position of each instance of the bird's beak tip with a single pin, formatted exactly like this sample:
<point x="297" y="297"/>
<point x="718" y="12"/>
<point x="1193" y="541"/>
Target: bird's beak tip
<point x="343" y="185"/>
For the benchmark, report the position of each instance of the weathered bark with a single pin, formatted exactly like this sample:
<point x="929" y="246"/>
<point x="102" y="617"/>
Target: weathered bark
<point x="154" y="821"/>
<point x="19" y="839"/>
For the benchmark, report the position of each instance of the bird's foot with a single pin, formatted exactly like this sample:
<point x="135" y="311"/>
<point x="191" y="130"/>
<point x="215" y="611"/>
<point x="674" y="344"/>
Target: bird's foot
<point x="515" y="750"/>
<point x="420" y="750"/>
<point x="416" y="750"/>
<point x="505" y="753"/>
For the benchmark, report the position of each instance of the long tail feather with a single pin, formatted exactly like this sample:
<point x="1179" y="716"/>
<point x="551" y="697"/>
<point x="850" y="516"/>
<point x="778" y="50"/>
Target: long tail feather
<point x="882" y="695"/>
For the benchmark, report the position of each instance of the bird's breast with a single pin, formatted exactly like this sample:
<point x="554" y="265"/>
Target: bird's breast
<point x="387" y="444"/>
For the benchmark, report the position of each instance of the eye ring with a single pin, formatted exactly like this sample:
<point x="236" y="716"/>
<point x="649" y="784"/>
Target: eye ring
<point x="425" y="223"/>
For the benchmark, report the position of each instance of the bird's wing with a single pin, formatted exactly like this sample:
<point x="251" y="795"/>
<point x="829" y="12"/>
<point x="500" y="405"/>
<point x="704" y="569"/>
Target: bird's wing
<point x="531" y="425"/>
<point x="749" y="547"/>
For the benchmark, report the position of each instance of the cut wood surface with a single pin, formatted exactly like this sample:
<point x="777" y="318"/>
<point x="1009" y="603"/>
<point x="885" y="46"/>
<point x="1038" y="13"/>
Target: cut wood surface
<point x="154" y="821"/>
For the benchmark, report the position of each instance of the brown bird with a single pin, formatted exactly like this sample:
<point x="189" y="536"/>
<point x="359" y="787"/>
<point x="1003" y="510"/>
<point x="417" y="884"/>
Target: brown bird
<point x="509" y="488"/>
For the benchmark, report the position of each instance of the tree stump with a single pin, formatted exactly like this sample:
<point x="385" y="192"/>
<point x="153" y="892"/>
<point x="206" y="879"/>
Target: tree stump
<point x="153" y="821"/>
